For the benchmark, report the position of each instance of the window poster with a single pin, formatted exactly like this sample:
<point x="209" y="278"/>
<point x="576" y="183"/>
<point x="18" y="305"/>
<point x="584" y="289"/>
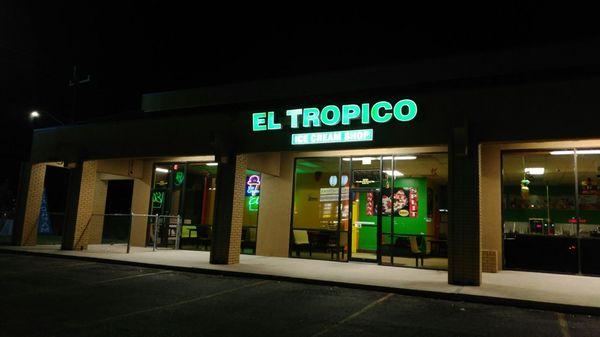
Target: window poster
<point x="405" y="202"/>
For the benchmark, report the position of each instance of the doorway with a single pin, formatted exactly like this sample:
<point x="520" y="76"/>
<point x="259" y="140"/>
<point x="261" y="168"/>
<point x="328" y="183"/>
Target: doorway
<point x="116" y="227"/>
<point x="365" y="224"/>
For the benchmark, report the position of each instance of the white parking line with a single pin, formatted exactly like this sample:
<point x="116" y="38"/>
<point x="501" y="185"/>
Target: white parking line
<point x="354" y="315"/>
<point x="168" y="306"/>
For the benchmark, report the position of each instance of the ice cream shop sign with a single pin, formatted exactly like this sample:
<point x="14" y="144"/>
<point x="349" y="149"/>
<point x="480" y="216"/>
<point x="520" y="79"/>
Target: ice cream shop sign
<point x="404" y="110"/>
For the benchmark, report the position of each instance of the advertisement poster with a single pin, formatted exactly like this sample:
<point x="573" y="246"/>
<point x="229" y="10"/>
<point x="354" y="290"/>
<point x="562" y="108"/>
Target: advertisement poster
<point x="405" y="202"/>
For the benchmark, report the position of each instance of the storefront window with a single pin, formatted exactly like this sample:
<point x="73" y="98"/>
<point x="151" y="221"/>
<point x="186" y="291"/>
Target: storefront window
<point x="539" y="211"/>
<point x="187" y="190"/>
<point x="588" y="178"/>
<point x="198" y="206"/>
<point x="414" y="200"/>
<point x="371" y="193"/>
<point x="315" y="209"/>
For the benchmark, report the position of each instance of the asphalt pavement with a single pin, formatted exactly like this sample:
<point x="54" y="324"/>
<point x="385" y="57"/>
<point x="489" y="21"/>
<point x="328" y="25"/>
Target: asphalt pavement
<point x="43" y="296"/>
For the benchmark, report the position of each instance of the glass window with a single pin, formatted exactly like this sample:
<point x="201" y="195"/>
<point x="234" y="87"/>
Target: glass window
<point x="588" y="178"/>
<point x="414" y="200"/>
<point x="539" y="211"/>
<point x="371" y="193"/>
<point x="198" y="205"/>
<point x="315" y="210"/>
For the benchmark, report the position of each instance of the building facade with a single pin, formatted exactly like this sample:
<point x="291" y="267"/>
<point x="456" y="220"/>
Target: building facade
<point x="473" y="164"/>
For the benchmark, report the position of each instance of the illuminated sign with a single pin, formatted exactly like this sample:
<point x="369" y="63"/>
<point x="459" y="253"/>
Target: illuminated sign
<point x="346" y="136"/>
<point x="179" y="177"/>
<point x="158" y="198"/>
<point x="253" y="192"/>
<point x="404" y="110"/>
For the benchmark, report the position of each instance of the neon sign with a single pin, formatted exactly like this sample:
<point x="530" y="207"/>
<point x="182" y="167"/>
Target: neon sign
<point x="348" y="136"/>
<point x="404" y="110"/>
<point x="253" y="192"/>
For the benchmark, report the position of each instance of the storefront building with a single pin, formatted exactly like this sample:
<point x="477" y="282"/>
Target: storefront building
<point x="465" y="165"/>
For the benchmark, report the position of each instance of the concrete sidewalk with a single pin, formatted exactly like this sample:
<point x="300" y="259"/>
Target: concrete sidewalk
<point x="567" y="293"/>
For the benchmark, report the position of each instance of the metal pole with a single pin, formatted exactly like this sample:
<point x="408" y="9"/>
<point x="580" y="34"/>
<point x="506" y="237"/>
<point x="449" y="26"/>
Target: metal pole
<point x="129" y="233"/>
<point x="577" y="213"/>
<point x="155" y="232"/>
<point x="178" y="232"/>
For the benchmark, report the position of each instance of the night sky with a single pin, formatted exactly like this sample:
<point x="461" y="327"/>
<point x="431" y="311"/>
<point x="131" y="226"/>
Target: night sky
<point x="129" y="48"/>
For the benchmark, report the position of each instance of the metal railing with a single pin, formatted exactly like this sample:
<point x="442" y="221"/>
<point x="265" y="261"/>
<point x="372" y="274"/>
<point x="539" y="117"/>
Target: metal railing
<point x="158" y="223"/>
<point x="98" y="226"/>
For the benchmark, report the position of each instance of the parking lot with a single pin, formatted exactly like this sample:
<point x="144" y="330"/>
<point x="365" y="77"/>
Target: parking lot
<point x="44" y="296"/>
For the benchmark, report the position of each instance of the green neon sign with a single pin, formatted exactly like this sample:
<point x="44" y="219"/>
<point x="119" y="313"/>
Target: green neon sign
<point x="158" y="198"/>
<point x="404" y="110"/>
<point x="347" y="136"/>
<point x="179" y="176"/>
<point x="253" y="203"/>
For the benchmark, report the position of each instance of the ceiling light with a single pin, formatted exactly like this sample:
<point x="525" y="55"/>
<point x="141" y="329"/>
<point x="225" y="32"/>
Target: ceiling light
<point x="161" y="170"/>
<point x="535" y="171"/>
<point x="396" y="173"/>
<point x="569" y="152"/>
<point x="588" y="151"/>
<point x="400" y="157"/>
<point x="212" y="164"/>
<point x="562" y="152"/>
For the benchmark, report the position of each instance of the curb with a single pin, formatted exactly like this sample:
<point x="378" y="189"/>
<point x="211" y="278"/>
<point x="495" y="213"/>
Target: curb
<point x="457" y="297"/>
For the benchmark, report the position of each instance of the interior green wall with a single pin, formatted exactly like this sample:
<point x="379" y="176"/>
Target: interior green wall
<point x="367" y="239"/>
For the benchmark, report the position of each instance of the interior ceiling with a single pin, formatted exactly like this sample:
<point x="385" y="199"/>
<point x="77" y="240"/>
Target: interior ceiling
<point x="559" y="170"/>
<point x="433" y="166"/>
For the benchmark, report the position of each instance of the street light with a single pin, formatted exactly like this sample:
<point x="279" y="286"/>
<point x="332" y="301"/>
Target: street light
<point x="35" y="114"/>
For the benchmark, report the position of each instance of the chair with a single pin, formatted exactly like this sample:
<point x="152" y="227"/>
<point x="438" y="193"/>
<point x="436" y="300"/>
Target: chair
<point x="336" y="247"/>
<point x="417" y="252"/>
<point x="203" y="235"/>
<point x="301" y="240"/>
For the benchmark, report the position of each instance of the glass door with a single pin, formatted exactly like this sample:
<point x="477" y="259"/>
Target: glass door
<point x="365" y="225"/>
<point x="365" y="208"/>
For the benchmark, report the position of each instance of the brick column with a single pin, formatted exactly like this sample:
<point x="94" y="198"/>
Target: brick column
<point x="464" y="259"/>
<point x="80" y="203"/>
<point x="229" y="208"/>
<point x="29" y="201"/>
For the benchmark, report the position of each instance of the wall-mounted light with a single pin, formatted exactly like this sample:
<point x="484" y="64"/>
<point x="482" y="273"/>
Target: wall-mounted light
<point x="161" y="170"/>
<point x="212" y="164"/>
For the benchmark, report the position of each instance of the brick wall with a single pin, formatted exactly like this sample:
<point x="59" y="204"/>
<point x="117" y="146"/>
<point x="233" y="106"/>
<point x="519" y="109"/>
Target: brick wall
<point x="464" y="255"/>
<point x="80" y="203"/>
<point x="489" y="261"/>
<point x="237" y="212"/>
<point x="229" y="210"/>
<point x="97" y="221"/>
<point x="33" y="186"/>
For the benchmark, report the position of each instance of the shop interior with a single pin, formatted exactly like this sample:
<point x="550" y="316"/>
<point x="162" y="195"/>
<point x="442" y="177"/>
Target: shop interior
<point x="551" y="210"/>
<point x="344" y="208"/>
<point x="189" y="190"/>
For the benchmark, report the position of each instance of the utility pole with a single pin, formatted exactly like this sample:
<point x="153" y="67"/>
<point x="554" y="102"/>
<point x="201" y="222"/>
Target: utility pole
<point x="74" y="82"/>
